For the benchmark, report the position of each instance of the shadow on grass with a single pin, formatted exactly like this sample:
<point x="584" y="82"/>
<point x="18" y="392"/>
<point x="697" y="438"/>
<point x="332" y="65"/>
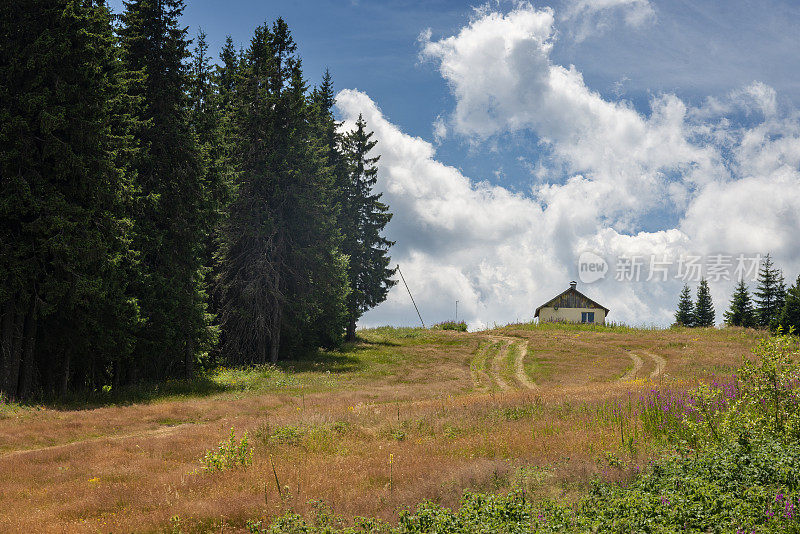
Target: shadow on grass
<point x="200" y="386"/>
<point x="211" y="382"/>
<point x="337" y="361"/>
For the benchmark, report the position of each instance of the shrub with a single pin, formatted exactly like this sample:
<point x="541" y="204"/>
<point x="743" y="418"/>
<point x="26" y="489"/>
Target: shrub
<point x="287" y="435"/>
<point x="460" y="326"/>
<point x="231" y="453"/>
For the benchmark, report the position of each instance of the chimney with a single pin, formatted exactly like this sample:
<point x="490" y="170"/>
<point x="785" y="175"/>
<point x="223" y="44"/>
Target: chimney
<point x="573" y="284"/>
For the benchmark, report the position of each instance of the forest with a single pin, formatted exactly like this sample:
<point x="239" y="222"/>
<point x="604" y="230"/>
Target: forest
<point x="162" y="211"/>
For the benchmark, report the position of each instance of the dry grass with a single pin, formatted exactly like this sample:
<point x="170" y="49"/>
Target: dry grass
<point x="331" y="422"/>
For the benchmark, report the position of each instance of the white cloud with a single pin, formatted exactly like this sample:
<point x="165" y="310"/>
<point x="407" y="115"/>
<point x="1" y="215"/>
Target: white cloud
<point x="587" y="17"/>
<point x="734" y="188"/>
<point x="503" y="79"/>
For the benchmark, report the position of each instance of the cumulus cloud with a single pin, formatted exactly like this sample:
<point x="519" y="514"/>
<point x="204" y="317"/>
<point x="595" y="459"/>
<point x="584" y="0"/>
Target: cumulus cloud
<point x="607" y="169"/>
<point x="503" y="80"/>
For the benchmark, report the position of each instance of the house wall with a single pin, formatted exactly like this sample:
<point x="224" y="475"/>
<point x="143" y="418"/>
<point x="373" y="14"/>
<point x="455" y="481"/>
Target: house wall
<point x="570" y="315"/>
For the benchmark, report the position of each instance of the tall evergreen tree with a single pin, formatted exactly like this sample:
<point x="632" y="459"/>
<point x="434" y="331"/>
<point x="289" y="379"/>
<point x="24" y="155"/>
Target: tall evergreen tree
<point x="365" y="217"/>
<point x="171" y="219"/>
<point x="207" y="122"/>
<point x="790" y="314"/>
<point x="766" y="294"/>
<point x="741" y="309"/>
<point x="704" y="314"/>
<point x="282" y="272"/>
<point x="64" y="312"/>
<point x="780" y="298"/>
<point x="226" y="74"/>
<point x="684" y="316"/>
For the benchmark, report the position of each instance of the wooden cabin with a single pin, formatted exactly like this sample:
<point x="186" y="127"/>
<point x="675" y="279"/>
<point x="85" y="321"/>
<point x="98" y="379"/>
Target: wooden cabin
<point x="572" y="306"/>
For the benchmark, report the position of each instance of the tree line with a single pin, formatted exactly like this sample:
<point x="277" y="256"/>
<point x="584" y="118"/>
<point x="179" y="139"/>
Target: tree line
<point x="161" y="211"/>
<point x="770" y="306"/>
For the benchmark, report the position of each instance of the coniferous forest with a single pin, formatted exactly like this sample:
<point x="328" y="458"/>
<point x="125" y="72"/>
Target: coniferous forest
<point x="162" y="210"/>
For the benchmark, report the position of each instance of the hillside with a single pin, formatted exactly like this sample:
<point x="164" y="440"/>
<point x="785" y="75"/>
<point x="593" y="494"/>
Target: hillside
<point x="402" y="416"/>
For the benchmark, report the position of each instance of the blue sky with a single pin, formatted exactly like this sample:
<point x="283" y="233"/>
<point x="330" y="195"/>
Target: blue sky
<point x="695" y="49"/>
<point x="621" y="126"/>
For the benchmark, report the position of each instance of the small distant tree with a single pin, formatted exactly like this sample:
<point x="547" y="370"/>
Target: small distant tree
<point x="767" y="293"/>
<point x="704" y="314"/>
<point x="685" y="314"/>
<point x="741" y="311"/>
<point x="790" y="314"/>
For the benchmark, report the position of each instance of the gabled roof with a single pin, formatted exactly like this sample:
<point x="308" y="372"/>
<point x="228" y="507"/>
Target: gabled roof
<point x="570" y="289"/>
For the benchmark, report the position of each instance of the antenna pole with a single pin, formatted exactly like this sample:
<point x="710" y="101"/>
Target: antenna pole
<point x="410" y="295"/>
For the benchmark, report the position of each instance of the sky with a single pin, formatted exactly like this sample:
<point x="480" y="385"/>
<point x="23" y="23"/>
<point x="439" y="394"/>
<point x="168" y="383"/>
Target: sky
<point x="631" y="145"/>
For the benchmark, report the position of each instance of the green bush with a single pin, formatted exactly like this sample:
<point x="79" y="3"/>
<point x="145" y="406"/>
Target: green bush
<point x="460" y="326"/>
<point x="231" y="453"/>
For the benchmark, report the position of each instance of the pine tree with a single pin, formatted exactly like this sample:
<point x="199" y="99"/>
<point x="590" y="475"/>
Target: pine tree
<point x="226" y="74"/>
<point x="366" y="216"/>
<point x="207" y="122"/>
<point x="171" y="219"/>
<point x="282" y="273"/>
<point x="704" y="315"/>
<point x="741" y="310"/>
<point x="789" y="317"/>
<point x="766" y="293"/>
<point x="780" y="299"/>
<point x="684" y="316"/>
<point x="65" y="315"/>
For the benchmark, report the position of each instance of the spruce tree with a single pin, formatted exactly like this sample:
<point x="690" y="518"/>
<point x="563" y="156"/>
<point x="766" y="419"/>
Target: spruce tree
<point x="780" y="298"/>
<point x="282" y="273"/>
<point x="171" y="218"/>
<point x="684" y="316"/>
<point x="226" y="74"/>
<point x="366" y="216"/>
<point x="65" y="315"/>
<point x="766" y="294"/>
<point x="207" y="122"/>
<point x="741" y="310"/>
<point x="704" y="315"/>
<point x="789" y="317"/>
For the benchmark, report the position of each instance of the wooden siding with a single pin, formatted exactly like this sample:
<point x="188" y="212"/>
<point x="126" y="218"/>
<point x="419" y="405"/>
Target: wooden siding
<point x="572" y="299"/>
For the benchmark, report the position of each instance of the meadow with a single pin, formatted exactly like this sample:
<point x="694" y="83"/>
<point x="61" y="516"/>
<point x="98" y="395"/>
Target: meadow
<point x="402" y="417"/>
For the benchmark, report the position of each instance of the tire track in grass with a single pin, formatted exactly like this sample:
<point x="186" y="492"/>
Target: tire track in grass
<point x="479" y="367"/>
<point x="659" y="361"/>
<point x="637" y="366"/>
<point x="161" y="431"/>
<point x="508" y="363"/>
<point x="499" y="362"/>
<point x="521" y="376"/>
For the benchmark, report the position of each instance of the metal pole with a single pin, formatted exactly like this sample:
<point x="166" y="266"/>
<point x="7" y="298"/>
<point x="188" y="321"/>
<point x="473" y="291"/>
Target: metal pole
<point x="456" y="311"/>
<point x="410" y="295"/>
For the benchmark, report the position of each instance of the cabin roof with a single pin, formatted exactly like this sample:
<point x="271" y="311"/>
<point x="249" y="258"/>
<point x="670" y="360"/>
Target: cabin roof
<point x="570" y="289"/>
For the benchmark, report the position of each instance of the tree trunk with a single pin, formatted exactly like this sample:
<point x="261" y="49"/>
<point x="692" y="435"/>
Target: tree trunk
<point x="6" y="340"/>
<point x="29" y="353"/>
<point x="351" y="330"/>
<point x="65" y="375"/>
<point x="116" y="377"/>
<point x="275" y="337"/>
<point x="189" y="360"/>
<point x="12" y="363"/>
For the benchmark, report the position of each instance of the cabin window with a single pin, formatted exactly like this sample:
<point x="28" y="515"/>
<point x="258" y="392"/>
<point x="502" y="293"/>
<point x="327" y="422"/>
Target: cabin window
<point x="587" y="317"/>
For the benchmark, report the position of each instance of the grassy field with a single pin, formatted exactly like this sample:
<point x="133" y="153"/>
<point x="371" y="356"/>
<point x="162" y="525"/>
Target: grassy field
<point x="403" y="416"/>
